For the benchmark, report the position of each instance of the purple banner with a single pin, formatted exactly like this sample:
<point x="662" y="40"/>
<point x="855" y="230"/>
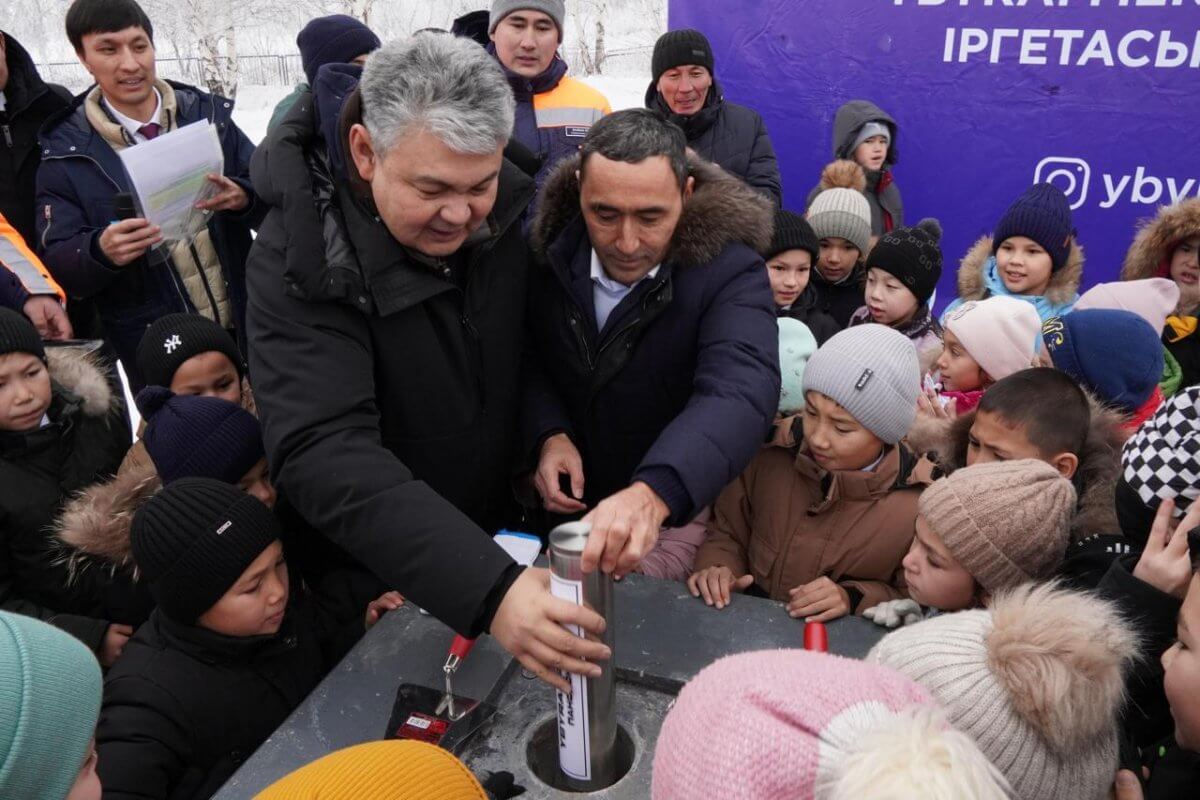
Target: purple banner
<point x="1098" y="96"/>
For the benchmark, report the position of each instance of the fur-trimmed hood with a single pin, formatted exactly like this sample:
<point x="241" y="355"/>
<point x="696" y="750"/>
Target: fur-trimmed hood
<point x="96" y="522"/>
<point x="1095" y="480"/>
<point x="972" y="278"/>
<point x="80" y="374"/>
<point x="721" y="210"/>
<point x="1150" y="254"/>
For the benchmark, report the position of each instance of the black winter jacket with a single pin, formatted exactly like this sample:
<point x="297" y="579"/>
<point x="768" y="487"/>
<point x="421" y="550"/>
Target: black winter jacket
<point x="184" y="707"/>
<point x="387" y="390"/>
<point x="682" y="383"/>
<point x="729" y="135"/>
<point x="840" y="300"/>
<point x="29" y="102"/>
<point x="39" y="471"/>
<point x="807" y="309"/>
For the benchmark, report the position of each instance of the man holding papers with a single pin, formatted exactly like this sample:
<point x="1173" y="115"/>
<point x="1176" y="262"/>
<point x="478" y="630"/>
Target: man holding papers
<point x="89" y="247"/>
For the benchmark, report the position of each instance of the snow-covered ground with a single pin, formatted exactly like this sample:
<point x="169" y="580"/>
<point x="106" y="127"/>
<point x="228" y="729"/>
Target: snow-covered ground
<point x="255" y="103"/>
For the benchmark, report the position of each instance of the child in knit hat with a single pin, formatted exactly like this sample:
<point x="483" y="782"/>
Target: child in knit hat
<point x="1168" y="246"/>
<point x="1152" y="299"/>
<point x="825" y="529"/>
<point x="1036" y="679"/>
<point x="790" y="258"/>
<point x="811" y="726"/>
<point x="983" y="341"/>
<point x="185" y="437"/>
<point x="61" y="429"/>
<point x="981" y="530"/>
<point x="841" y="219"/>
<point x="903" y="269"/>
<point x="1032" y="256"/>
<point x="387" y="770"/>
<point x="49" y="702"/>
<point x="865" y="135"/>
<point x="1038" y="413"/>
<point x="190" y="355"/>
<point x="230" y="651"/>
<point x="1115" y="355"/>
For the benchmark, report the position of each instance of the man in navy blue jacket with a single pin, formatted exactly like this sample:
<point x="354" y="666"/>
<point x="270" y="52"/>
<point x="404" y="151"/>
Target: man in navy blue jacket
<point x="120" y="263"/>
<point x="654" y="371"/>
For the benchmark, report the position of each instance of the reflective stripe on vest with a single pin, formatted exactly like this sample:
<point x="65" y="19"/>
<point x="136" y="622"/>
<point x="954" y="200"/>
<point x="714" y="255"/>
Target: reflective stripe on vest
<point x="21" y="261"/>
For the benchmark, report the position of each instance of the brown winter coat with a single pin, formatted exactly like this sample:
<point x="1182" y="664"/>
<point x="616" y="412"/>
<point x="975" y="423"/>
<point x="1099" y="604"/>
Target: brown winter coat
<point x="777" y="523"/>
<point x="1156" y="240"/>
<point x="1095" y="480"/>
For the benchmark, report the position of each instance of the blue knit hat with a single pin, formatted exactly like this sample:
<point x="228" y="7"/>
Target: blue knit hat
<point x="336" y="39"/>
<point x="1043" y="214"/>
<point x="198" y="437"/>
<point x="1116" y="355"/>
<point x="50" y="689"/>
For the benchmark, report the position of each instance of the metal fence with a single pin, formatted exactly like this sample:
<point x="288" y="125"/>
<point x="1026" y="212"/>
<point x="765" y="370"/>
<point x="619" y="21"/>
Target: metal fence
<point x="285" y="70"/>
<point x="252" y="70"/>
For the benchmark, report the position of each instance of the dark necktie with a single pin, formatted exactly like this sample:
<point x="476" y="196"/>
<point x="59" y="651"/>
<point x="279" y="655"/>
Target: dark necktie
<point x="150" y="130"/>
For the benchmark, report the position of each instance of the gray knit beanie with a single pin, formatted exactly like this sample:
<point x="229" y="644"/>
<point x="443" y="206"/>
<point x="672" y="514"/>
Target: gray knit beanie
<point x="1037" y="680"/>
<point x="842" y="213"/>
<point x="1006" y="522"/>
<point x="555" y="9"/>
<point x="871" y="371"/>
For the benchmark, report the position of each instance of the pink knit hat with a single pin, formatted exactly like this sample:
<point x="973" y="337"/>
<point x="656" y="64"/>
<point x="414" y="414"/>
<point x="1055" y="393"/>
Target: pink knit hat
<point x="1152" y="299"/>
<point x="801" y="725"/>
<point x="1000" y="333"/>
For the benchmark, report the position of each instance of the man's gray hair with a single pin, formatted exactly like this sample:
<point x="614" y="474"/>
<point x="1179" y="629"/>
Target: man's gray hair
<point x="447" y="85"/>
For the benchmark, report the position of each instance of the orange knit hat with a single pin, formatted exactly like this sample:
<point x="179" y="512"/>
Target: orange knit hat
<point x="390" y="770"/>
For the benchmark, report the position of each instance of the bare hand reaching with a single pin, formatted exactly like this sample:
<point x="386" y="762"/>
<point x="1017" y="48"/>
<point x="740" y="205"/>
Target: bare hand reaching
<point x="625" y="528"/>
<point x="715" y="585"/>
<point x="49" y="317"/>
<point x="559" y="457"/>
<point x="529" y="624"/>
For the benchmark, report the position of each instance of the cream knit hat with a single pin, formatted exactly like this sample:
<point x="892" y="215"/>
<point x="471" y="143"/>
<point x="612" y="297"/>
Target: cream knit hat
<point x="1006" y="522"/>
<point x="1036" y="680"/>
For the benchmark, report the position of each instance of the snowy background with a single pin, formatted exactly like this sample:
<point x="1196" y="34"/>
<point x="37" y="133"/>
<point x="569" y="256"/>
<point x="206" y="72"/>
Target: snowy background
<point x="246" y="49"/>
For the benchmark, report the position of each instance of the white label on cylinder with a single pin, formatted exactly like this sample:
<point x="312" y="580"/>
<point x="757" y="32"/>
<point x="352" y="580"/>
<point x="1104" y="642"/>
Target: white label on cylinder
<point x="574" y="741"/>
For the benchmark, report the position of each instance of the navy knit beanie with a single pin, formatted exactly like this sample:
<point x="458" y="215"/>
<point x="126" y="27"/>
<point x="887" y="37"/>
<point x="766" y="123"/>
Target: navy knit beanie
<point x="18" y="335"/>
<point x="336" y="39"/>
<point x="194" y="539"/>
<point x="199" y="437"/>
<point x="171" y="340"/>
<point x="1116" y="355"/>
<point x="792" y="232"/>
<point x="1043" y="214"/>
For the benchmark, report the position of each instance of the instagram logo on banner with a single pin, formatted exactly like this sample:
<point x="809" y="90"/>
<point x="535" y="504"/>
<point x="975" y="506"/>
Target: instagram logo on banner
<point x="1072" y="175"/>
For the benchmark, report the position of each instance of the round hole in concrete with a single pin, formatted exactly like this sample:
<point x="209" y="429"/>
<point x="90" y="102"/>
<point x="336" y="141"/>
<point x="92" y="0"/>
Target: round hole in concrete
<point x="542" y="755"/>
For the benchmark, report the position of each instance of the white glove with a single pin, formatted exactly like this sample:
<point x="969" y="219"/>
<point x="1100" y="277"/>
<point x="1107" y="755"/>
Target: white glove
<point x="895" y="613"/>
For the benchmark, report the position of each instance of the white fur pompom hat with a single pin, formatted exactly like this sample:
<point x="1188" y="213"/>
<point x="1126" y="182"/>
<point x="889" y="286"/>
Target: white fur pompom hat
<point x="1037" y="679"/>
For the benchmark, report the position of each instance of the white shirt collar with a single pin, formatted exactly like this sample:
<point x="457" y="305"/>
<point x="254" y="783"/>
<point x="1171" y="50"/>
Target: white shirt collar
<point x="130" y="124"/>
<point x="3" y="101"/>
<point x="602" y="277"/>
